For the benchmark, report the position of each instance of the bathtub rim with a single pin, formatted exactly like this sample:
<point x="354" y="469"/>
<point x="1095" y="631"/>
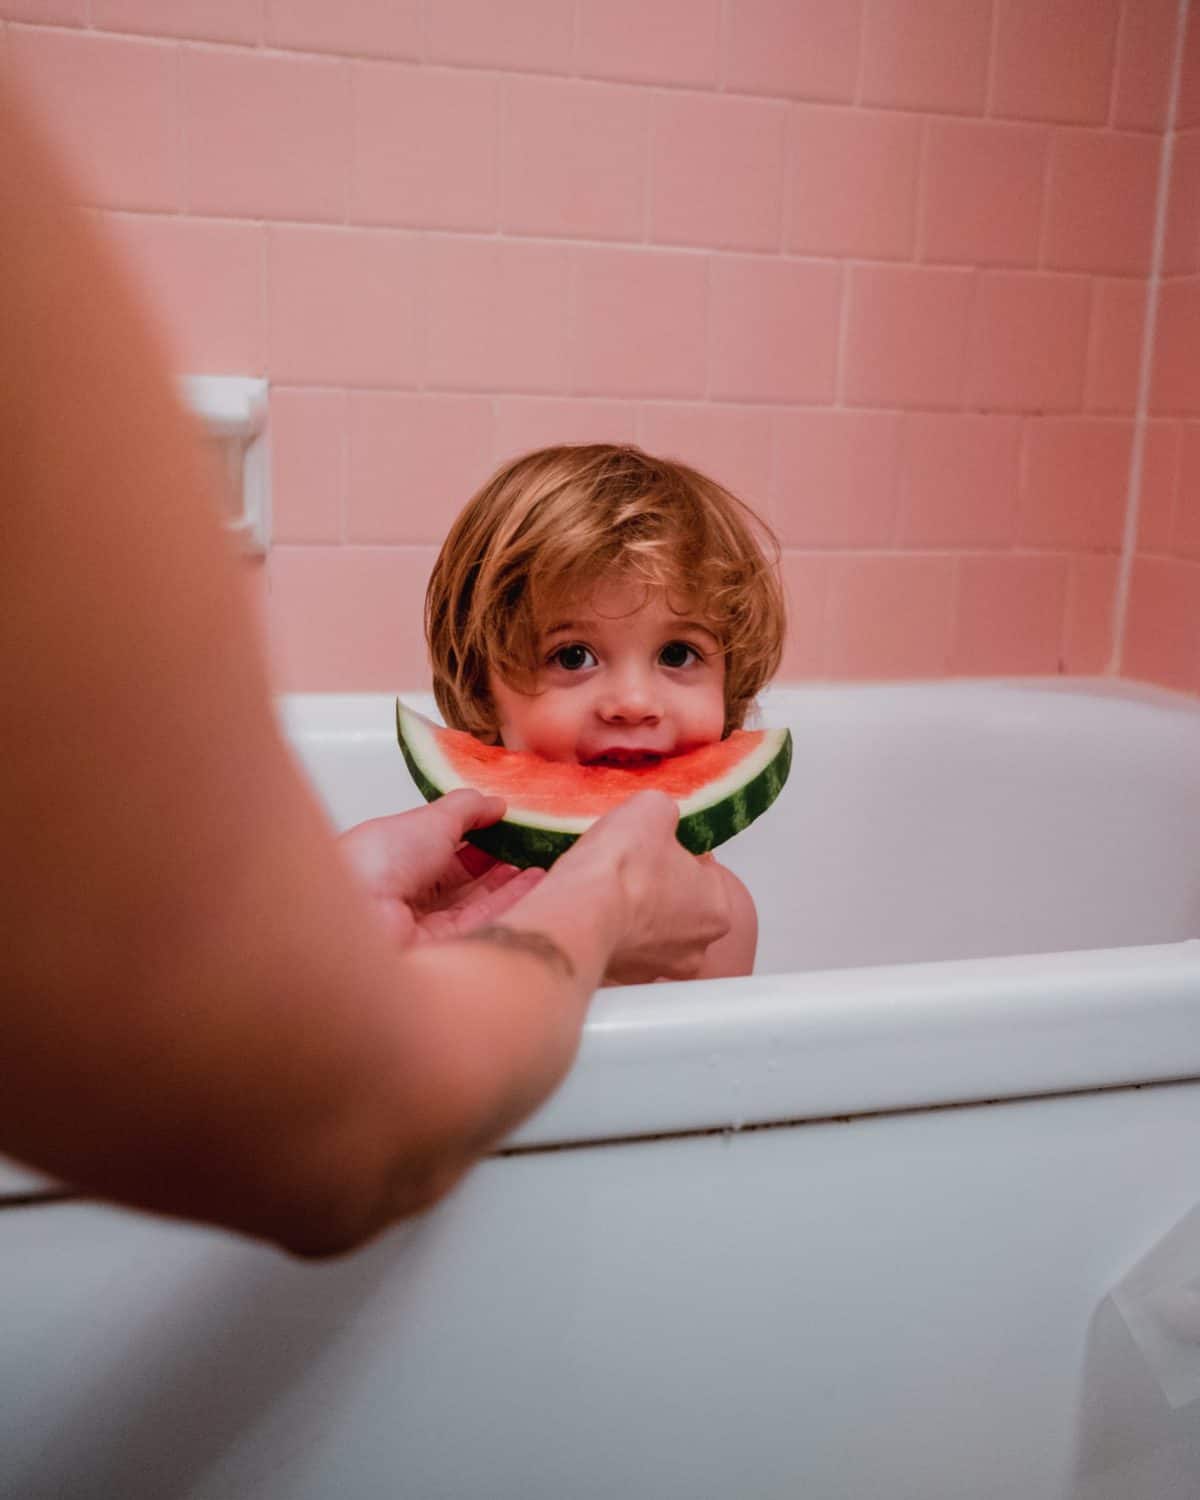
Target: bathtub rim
<point x="682" y="1059"/>
<point x="842" y="1044"/>
<point x="775" y="1049"/>
<point x="793" y="1047"/>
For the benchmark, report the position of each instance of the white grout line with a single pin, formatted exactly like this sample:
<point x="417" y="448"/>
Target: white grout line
<point x="343" y="492"/>
<point x="955" y="601"/>
<point x="845" y="282"/>
<point x="989" y="98"/>
<point x="708" y="331"/>
<point x="364" y="226"/>
<point x="500" y="158"/>
<point x="183" y="177"/>
<point x="790" y="169"/>
<point x="1024" y="441"/>
<point x="1149" y="330"/>
<point x="1115" y="76"/>
<point x="264" y="297"/>
<point x="419" y="61"/>
<point x="1051" y="149"/>
<point x="921" y="194"/>
<point x="652" y="107"/>
<point x="1089" y="346"/>
<point x="860" y="68"/>
<point x="350" y="83"/>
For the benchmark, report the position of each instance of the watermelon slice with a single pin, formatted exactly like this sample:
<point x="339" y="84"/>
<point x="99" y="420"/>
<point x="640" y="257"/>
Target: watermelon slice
<point x="720" y="788"/>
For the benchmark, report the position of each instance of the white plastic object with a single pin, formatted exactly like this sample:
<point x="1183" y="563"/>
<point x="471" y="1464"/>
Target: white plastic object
<point x="1140" y="1390"/>
<point x="233" y="410"/>
<point x="1160" y="1302"/>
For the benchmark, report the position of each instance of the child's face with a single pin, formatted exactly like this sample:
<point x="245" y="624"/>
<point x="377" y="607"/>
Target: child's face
<point x="623" y="680"/>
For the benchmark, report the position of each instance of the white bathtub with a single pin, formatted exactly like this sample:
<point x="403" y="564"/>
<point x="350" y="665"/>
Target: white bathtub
<point x="839" y="1231"/>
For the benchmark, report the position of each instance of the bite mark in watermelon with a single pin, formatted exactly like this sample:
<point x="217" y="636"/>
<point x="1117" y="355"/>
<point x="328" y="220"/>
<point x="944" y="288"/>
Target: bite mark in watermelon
<point x="720" y="789"/>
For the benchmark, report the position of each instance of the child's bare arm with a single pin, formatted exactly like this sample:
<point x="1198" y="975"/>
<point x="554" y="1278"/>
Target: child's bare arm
<point x="733" y="954"/>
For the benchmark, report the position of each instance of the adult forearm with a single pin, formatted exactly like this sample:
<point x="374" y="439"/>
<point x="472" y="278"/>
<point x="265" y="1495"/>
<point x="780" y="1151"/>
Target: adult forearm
<point x="203" y="1016"/>
<point x="262" y="1058"/>
<point x="432" y="1058"/>
<point x="504" y="1025"/>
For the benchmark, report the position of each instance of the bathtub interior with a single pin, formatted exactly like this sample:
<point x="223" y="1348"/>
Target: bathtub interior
<point x="921" y="822"/>
<point x="872" y="1296"/>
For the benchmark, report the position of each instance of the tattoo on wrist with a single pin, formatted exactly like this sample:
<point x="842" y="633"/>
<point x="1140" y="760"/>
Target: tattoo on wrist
<point x="523" y="941"/>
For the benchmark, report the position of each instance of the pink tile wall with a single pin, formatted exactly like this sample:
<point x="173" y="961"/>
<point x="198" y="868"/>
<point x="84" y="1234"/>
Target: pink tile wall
<point x="1162" y="626"/>
<point x="880" y="265"/>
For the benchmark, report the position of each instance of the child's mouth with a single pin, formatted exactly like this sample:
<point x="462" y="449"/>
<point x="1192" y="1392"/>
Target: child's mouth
<point x="625" y="759"/>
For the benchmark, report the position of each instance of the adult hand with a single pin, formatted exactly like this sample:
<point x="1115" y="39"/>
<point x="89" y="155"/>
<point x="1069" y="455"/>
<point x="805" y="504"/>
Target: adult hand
<point x="675" y="905"/>
<point x="426" y="882"/>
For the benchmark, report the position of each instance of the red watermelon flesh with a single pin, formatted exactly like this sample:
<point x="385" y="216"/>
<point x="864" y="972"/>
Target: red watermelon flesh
<point x="719" y="788"/>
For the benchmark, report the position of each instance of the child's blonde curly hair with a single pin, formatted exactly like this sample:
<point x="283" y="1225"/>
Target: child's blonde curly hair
<point x="547" y="528"/>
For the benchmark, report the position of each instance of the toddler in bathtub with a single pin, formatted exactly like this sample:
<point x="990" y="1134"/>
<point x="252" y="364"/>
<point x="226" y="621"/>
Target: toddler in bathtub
<point x="596" y="605"/>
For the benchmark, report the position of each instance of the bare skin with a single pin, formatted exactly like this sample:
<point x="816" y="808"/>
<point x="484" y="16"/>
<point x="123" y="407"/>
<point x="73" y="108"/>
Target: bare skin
<point x="733" y="955"/>
<point x="628" y="676"/>
<point x="428" y="886"/>
<point x="205" y="1012"/>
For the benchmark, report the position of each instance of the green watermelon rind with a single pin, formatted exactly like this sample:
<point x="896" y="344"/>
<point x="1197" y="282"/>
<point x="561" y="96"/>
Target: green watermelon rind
<point x="700" y="831"/>
<point x="511" y="843"/>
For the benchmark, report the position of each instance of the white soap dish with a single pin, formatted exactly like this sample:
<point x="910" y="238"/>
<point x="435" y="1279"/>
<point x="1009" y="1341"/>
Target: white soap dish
<point x="233" y="410"/>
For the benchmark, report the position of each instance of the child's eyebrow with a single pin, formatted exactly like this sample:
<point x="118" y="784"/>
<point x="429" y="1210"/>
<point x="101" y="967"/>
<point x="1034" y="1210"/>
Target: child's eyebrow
<point x="583" y="626"/>
<point x="700" y="626"/>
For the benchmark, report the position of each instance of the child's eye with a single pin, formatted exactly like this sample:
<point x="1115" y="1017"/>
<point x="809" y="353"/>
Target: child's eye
<point x="678" y="654"/>
<point x="572" y="658"/>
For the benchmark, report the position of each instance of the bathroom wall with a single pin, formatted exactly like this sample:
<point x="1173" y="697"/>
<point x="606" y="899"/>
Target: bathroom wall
<point x="879" y="265"/>
<point x="1162" y="629"/>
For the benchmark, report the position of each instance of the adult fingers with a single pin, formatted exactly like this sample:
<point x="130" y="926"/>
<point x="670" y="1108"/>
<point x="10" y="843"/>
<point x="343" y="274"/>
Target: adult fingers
<point x="466" y="808"/>
<point x="475" y="862"/>
<point x="493" y="879"/>
<point x="652" y="809"/>
<point x="463" y="810"/>
<point x="497" y="893"/>
<point x="483" y="902"/>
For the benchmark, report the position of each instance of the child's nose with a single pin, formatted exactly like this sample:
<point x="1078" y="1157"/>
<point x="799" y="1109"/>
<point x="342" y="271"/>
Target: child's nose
<point x="630" y="698"/>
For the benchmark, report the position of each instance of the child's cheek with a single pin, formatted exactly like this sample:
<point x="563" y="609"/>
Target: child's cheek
<point x="555" y="734"/>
